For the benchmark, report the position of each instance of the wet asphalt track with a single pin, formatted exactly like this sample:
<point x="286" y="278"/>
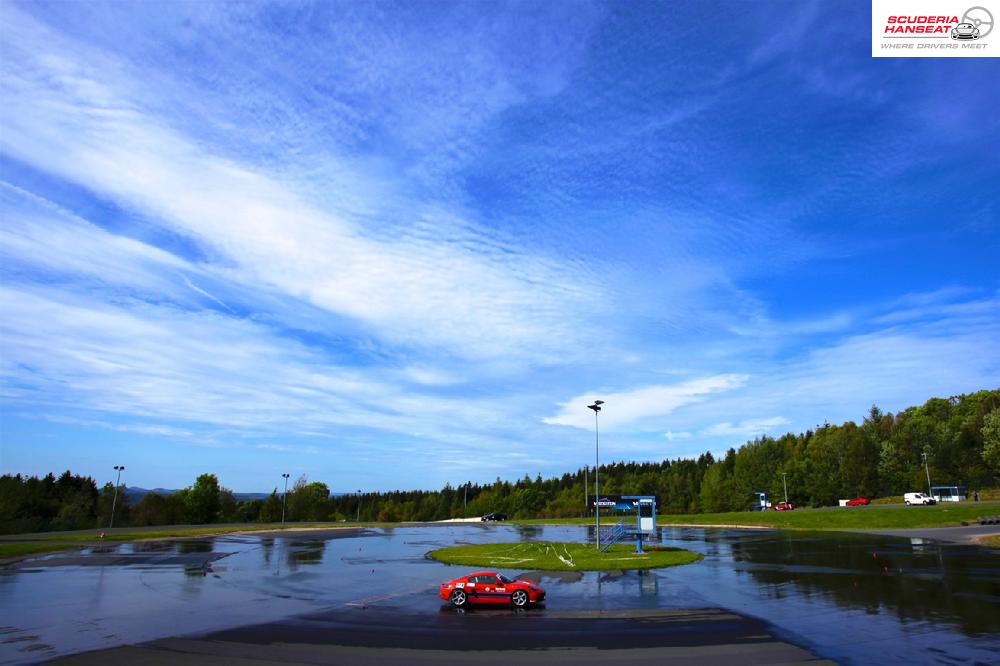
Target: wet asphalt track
<point x="347" y="597"/>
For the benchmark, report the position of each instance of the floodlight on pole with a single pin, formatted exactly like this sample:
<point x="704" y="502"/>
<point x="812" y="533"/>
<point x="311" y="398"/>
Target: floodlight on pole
<point x="114" y="502"/>
<point x="284" y="496"/>
<point x="597" y="470"/>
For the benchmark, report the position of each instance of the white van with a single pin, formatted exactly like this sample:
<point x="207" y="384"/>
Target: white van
<point x="918" y="498"/>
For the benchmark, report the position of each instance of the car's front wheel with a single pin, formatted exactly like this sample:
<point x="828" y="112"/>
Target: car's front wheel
<point x="458" y="598"/>
<point x="907" y="502"/>
<point x="519" y="599"/>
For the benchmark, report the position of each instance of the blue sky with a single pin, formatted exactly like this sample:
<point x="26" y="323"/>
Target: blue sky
<point x="397" y="245"/>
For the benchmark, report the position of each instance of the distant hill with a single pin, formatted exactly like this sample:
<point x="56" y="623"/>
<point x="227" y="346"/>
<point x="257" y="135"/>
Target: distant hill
<point x="135" y="493"/>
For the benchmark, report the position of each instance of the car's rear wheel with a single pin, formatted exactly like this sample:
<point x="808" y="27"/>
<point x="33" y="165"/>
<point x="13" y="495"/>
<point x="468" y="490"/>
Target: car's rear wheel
<point x="907" y="502"/>
<point x="519" y="599"/>
<point x="458" y="598"/>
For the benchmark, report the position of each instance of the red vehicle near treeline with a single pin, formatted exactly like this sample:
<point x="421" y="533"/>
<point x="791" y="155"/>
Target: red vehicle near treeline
<point x="784" y="506"/>
<point x="490" y="587"/>
<point x="859" y="501"/>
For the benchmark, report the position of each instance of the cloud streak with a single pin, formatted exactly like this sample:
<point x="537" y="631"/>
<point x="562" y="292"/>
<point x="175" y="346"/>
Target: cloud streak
<point x="460" y="289"/>
<point x="642" y="404"/>
<point x="749" y="428"/>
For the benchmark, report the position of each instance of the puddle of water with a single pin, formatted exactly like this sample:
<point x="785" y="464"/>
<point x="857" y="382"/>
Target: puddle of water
<point x="848" y="597"/>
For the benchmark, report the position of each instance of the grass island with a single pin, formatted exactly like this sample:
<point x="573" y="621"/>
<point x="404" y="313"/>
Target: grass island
<point x="556" y="556"/>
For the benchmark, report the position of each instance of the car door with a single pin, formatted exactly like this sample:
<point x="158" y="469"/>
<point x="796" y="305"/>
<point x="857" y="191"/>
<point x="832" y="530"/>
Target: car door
<point x="490" y="590"/>
<point x="472" y="588"/>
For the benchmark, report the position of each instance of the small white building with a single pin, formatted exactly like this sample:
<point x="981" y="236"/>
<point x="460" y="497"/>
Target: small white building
<point x="949" y="493"/>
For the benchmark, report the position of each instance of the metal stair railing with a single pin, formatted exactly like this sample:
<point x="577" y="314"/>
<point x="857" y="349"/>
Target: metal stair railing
<point x="613" y="535"/>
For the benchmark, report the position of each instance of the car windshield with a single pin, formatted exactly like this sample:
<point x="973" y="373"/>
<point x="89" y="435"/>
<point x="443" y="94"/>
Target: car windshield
<point x="504" y="579"/>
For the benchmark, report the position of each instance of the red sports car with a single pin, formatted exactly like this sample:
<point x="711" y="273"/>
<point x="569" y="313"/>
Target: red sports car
<point x="784" y="506"/>
<point x="490" y="587"/>
<point x="858" y="501"/>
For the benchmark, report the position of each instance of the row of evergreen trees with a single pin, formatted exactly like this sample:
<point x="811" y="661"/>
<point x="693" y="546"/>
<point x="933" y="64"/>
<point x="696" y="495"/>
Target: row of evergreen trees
<point x="72" y="502"/>
<point x="883" y="456"/>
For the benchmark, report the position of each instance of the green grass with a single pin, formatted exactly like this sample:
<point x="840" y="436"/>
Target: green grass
<point x="845" y="518"/>
<point x="552" y="556"/>
<point x="20" y="549"/>
<point x="138" y="534"/>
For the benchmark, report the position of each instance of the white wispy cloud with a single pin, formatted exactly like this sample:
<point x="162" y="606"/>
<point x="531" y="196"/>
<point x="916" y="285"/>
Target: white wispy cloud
<point x="460" y="288"/>
<point x="291" y="448"/>
<point x="39" y="237"/>
<point x="155" y="429"/>
<point x="748" y="428"/>
<point x="893" y="367"/>
<point x="648" y="402"/>
<point x="163" y="364"/>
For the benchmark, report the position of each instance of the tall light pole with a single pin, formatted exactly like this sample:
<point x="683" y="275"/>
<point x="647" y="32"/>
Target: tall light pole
<point x="358" y="518"/>
<point x="597" y="470"/>
<point x="784" y="480"/>
<point x="465" y="501"/>
<point x="114" y="502"/>
<point x="586" y="487"/>
<point x="928" y="471"/>
<point x="284" y="496"/>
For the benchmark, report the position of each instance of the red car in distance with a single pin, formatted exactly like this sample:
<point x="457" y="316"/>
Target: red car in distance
<point x="784" y="506"/>
<point x="490" y="587"/>
<point x="859" y="501"/>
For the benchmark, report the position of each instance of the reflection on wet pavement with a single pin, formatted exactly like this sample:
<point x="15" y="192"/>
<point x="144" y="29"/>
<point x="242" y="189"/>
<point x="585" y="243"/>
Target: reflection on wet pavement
<point x="848" y="597"/>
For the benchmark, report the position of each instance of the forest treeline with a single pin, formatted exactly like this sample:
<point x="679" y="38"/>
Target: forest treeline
<point x="881" y="456"/>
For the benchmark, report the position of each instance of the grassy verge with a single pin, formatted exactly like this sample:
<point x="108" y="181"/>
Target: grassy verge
<point x="21" y="549"/>
<point x="551" y="556"/>
<point x="847" y="518"/>
<point x="991" y="541"/>
<point x="139" y="534"/>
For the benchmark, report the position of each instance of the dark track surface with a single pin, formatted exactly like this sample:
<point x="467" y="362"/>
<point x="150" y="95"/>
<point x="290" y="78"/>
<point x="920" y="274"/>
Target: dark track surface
<point x="360" y="636"/>
<point x="479" y="630"/>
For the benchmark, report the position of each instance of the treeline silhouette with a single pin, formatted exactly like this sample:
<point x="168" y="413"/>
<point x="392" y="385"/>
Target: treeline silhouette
<point x="881" y="456"/>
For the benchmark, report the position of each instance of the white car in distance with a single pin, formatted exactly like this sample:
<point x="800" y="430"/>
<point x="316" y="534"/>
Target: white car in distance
<point x="918" y="498"/>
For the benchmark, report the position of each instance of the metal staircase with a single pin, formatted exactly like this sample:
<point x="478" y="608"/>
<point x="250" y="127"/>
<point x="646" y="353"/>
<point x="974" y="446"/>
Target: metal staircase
<point x="613" y="535"/>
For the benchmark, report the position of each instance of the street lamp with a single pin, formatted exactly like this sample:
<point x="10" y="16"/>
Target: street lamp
<point x="284" y="496"/>
<point x="114" y="502"/>
<point x="928" y="471"/>
<point x="784" y="480"/>
<point x="358" y="519"/>
<point x="597" y="470"/>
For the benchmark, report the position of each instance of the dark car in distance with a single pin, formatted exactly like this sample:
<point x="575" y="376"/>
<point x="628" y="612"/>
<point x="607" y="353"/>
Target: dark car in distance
<point x="496" y="515"/>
